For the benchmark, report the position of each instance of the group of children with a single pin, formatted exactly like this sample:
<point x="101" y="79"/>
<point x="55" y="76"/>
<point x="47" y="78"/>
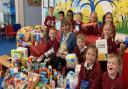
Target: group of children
<point x="72" y="40"/>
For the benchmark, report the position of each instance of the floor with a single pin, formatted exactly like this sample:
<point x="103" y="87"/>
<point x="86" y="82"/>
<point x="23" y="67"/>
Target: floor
<point x="5" y="48"/>
<point x="6" y="45"/>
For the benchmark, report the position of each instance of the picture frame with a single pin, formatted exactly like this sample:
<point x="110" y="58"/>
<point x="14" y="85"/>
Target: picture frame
<point x="34" y="2"/>
<point x="45" y="3"/>
<point x="51" y="3"/>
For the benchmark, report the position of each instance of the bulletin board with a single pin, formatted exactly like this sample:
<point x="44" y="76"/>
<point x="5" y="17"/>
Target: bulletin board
<point x="117" y="7"/>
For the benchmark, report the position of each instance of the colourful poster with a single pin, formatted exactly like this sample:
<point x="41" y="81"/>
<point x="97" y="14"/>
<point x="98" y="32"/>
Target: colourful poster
<point x="119" y="9"/>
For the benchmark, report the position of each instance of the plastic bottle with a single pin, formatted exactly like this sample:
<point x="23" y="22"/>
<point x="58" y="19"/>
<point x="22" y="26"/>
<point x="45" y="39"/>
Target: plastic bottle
<point x="60" y="81"/>
<point x="67" y="84"/>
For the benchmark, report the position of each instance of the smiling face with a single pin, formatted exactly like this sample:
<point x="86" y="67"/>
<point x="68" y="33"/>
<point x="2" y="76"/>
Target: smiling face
<point x="107" y="31"/>
<point x="65" y="26"/>
<point x="112" y="66"/>
<point x="52" y="34"/>
<point x="108" y="18"/>
<point x="80" y="43"/>
<point x="93" y="17"/>
<point x="79" y="18"/>
<point x="90" y="56"/>
<point x="61" y="17"/>
<point x="51" y="11"/>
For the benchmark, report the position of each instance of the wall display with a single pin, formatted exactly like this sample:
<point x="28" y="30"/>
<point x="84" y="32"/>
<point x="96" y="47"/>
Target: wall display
<point x="116" y="7"/>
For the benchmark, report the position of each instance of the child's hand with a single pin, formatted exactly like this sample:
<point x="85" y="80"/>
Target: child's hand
<point x="39" y="59"/>
<point x="41" y="56"/>
<point x="52" y="23"/>
<point x="99" y="38"/>
<point x="122" y="47"/>
<point x="48" y="22"/>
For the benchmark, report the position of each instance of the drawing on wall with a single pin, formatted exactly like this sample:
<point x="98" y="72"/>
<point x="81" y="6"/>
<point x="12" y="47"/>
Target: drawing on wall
<point x="117" y="7"/>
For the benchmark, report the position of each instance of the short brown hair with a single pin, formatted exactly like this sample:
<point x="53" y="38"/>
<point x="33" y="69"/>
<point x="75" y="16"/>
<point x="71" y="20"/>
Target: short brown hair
<point x="53" y="29"/>
<point x="80" y="36"/>
<point x="51" y="7"/>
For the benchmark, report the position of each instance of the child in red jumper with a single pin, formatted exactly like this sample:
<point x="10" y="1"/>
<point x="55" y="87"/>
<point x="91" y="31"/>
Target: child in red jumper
<point x="107" y="34"/>
<point x="90" y="69"/>
<point x="52" y="45"/>
<point x="92" y="27"/>
<point x="111" y="78"/>
<point x="50" y="19"/>
<point x="80" y="48"/>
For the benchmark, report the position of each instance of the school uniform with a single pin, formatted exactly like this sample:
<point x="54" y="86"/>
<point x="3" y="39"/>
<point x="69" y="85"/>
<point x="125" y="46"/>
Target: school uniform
<point x="51" y="18"/>
<point x="91" y="74"/>
<point x="54" y="44"/>
<point x="51" y="50"/>
<point x="91" y="30"/>
<point x="80" y="54"/>
<point x="109" y="83"/>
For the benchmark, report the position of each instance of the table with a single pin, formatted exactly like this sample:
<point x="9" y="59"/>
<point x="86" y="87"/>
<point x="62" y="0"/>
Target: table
<point x="4" y="61"/>
<point x="125" y="68"/>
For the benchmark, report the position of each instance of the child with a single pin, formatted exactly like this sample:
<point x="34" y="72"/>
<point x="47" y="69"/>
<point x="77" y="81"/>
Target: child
<point x="107" y="34"/>
<point x="90" y="70"/>
<point x="52" y="44"/>
<point x="92" y="26"/>
<point x="58" y="22"/>
<point x="78" y="22"/>
<point x="80" y="48"/>
<point x="50" y="19"/>
<point x="70" y="17"/>
<point x="108" y="18"/>
<point x="111" y="79"/>
<point x="60" y="62"/>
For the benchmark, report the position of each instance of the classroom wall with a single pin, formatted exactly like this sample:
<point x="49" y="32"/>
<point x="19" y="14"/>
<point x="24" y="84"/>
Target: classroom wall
<point x="1" y="13"/>
<point x="32" y="14"/>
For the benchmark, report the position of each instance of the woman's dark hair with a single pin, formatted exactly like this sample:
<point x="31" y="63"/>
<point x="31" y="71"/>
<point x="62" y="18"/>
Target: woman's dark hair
<point x="104" y="16"/>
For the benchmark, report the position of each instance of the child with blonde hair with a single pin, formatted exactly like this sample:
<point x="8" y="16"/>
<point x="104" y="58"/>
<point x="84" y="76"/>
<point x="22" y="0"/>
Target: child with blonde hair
<point x="111" y="78"/>
<point x="80" y="48"/>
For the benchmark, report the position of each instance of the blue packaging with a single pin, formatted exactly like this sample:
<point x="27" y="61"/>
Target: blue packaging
<point x="84" y="84"/>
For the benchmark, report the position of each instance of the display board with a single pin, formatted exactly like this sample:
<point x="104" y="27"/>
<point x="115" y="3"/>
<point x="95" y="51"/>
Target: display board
<point x="117" y="7"/>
